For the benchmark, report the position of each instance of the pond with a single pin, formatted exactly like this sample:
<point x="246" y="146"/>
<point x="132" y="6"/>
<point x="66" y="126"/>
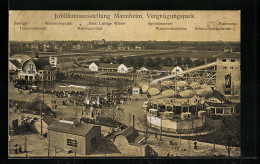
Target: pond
<point x="64" y="86"/>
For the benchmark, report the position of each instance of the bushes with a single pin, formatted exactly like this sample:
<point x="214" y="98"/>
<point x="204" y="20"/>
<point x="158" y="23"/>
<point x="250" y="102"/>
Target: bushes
<point x="32" y="107"/>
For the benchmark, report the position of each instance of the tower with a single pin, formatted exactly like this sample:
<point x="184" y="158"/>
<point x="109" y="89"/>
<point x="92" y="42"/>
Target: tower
<point x="228" y="75"/>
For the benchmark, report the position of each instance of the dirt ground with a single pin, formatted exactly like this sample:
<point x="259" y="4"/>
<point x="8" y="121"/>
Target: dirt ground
<point x="37" y="144"/>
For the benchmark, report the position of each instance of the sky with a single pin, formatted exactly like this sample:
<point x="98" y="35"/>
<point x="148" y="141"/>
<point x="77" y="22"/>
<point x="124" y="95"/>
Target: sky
<point x="135" y="29"/>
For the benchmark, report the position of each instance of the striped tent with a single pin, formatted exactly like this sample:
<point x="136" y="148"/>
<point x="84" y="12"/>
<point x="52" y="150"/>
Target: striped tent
<point x="210" y="91"/>
<point x="187" y="94"/>
<point x="169" y="93"/>
<point x="195" y="85"/>
<point x="154" y="91"/>
<point x="167" y="83"/>
<point x="145" y="88"/>
<point x="182" y="84"/>
<point x="204" y="86"/>
<point x="202" y="92"/>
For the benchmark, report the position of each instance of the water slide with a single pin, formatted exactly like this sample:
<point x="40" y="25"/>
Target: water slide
<point x="187" y="71"/>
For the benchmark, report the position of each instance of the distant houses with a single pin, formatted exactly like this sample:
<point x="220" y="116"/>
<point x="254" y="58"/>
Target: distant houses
<point x="60" y="63"/>
<point x="121" y="68"/>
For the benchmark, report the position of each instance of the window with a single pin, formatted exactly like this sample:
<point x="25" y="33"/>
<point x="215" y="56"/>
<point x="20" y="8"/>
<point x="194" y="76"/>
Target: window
<point x="93" y="141"/>
<point x="71" y="142"/>
<point x="233" y="60"/>
<point x="169" y="108"/>
<point x="224" y="67"/>
<point x="224" y="60"/>
<point x="231" y="67"/>
<point x="219" y="110"/>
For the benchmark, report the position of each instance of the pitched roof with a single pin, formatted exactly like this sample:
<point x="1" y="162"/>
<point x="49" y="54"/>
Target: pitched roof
<point x="217" y="95"/>
<point x="129" y="133"/>
<point x="48" y="120"/>
<point x="41" y="64"/>
<point x="229" y="104"/>
<point x="81" y="130"/>
<point x="228" y="55"/>
<point x="16" y="63"/>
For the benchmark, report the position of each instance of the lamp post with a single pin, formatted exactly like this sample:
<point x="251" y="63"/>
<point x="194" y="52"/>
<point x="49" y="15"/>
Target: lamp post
<point x="176" y="79"/>
<point x="42" y="100"/>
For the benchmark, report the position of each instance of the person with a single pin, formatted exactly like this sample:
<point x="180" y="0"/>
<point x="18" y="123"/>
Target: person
<point x="16" y="148"/>
<point x="20" y="149"/>
<point x="195" y="144"/>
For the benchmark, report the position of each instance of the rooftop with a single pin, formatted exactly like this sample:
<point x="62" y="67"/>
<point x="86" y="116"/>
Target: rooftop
<point x="41" y="64"/>
<point x="16" y="63"/>
<point x="228" y="55"/>
<point x="229" y="104"/>
<point x="81" y="129"/>
<point x="217" y="95"/>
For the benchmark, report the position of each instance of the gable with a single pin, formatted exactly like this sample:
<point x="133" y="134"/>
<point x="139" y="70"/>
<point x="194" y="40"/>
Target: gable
<point x="93" y="65"/>
<point x="122" y="66"/>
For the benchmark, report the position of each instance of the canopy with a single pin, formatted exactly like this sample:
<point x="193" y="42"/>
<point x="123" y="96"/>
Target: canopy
<point x="182" y="84"/>
<point x="145" y="88"/>
<point x="195" y="85"/>
<point x="153" y="91"/>
<point x="187" y="94"/>
<point x="169" y="93"/>
<point x="204" y="86"/>
<point x="210" y="91"/>
<point x="202" y="92"/>
<point x="167" y="83"/>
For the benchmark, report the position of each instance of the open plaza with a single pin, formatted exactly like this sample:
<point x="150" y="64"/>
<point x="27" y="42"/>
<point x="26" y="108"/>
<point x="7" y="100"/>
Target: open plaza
<point x="69" y="106"/>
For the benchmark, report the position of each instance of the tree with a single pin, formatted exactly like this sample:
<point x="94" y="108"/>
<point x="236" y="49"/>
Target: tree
<point x="188" y="61"/>
<point x="210" y="60"/>
<point x="129" y="60"/>
<point x="116" y="114"/>
<point x="178" y="61"/>
<point x="138" y="61"/>
<point x="199" y="62"/>
<point x="120" y="60"/>
<point x="109" y="59"/>
<point x="230" y="132"/>
<point x="158" y="62"/>
<point x="149" y="62"/>
<point x="102" y="59"/>
<point x="168" y="61"/>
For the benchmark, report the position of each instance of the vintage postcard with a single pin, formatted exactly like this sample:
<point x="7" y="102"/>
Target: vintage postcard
<point x="124" y="83"/>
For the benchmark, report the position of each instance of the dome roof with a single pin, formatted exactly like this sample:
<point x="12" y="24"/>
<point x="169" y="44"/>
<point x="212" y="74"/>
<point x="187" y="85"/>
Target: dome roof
<point x="202" y="92"/>
<point x="169" y="93"/>
<point x="167" y="83"/>
<point x="145" y="87"/>
<point x="187" y="94"/>
<point x="210" y="91"/>
<point x="182" y="84"/>
<point x="153" y="91"/>
<point x="204" y="86"/>
<point x="195" y="85"/>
